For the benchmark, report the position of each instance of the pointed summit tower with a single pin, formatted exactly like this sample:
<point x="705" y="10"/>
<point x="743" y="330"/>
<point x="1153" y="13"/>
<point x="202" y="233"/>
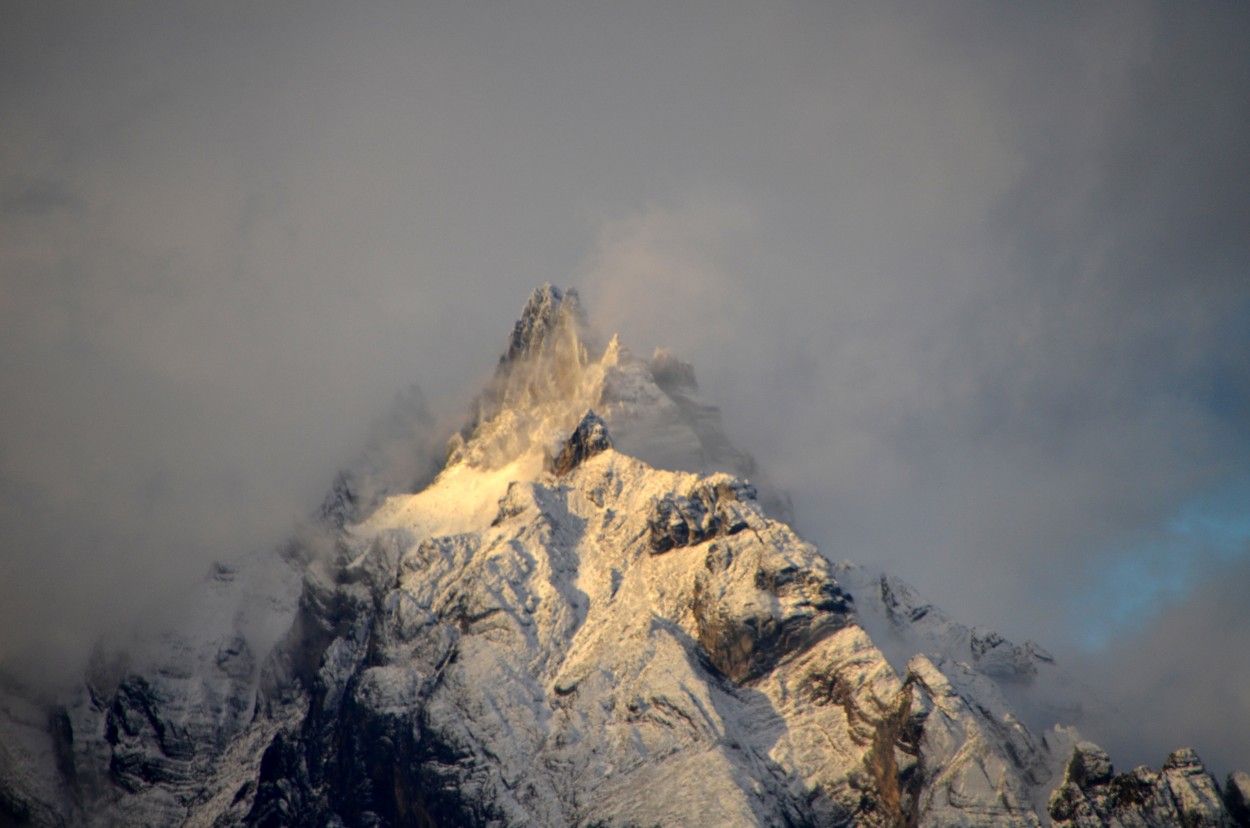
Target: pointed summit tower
<point x="549" y="314"/>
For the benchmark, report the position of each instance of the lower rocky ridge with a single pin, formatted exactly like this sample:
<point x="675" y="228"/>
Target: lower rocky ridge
<point x="1181" y="793"/>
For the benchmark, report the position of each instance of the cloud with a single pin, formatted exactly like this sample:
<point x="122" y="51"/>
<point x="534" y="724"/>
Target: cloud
<point x="970" y="282"/>
<point x="661" y="277"/>
<point x="1179" y="677"/>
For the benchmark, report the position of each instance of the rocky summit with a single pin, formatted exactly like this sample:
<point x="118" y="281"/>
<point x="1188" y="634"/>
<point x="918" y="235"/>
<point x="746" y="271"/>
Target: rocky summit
<point x="589" y="616"/>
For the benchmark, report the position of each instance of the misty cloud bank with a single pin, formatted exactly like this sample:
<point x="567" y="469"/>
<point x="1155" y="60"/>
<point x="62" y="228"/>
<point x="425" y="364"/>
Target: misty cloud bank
<point x="971" y="283"/>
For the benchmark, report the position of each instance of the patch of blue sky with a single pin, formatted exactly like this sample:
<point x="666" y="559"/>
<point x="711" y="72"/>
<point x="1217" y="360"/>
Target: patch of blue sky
<point x="1221" y="521"/>
<point x="1138" y="579"/>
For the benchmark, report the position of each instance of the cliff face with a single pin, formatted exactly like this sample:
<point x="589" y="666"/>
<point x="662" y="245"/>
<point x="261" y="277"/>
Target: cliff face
<point x="556" y="632"/>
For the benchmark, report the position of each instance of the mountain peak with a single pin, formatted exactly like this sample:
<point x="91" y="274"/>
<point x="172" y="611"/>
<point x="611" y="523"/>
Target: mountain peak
<point x="556" y="368"/>
<point x="549" y="627"/>
<point x="548" y="312"/>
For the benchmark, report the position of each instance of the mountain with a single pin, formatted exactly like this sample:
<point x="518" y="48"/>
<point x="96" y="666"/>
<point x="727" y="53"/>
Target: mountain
<point x="592" y="613"/>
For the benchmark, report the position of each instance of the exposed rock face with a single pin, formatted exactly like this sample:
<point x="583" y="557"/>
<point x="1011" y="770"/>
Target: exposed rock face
<point x="567" y="638"/>
<point x="588" y="439"/>
<point x="1237" y="797"/>
<point x="156" y="733"/>
<point x="769" y="607"/>
<point x="1181" y="793"/>
<point x="708" y="510"/>
<point x="547" y="313"/>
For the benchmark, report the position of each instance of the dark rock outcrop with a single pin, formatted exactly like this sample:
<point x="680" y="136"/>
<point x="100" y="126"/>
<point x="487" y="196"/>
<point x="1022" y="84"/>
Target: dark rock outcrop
<point x="1237" y="797"/>
<point x="588" y="439"/>
<point x="705" y="512"/>
<point x="1181" y="793"/>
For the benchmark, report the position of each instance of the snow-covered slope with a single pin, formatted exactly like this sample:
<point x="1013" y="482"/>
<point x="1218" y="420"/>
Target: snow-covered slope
<point x="590" y="616"/>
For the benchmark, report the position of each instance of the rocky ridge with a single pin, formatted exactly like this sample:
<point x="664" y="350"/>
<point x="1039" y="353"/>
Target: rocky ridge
<point x="1180" y="793"/>
<point x="555" y="631"/>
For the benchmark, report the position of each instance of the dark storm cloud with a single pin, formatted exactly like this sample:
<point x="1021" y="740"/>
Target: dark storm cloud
<point x="971" y="281"/>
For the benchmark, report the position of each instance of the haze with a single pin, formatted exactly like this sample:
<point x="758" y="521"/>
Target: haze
<point x="970" y="281"/>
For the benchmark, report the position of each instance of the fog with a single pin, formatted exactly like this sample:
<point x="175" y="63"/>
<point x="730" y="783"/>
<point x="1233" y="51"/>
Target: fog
<point x="971" y="283"/>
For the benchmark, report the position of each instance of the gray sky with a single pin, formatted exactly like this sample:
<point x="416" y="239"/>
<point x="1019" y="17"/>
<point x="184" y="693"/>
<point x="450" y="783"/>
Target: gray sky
<point x="971" y="281"/>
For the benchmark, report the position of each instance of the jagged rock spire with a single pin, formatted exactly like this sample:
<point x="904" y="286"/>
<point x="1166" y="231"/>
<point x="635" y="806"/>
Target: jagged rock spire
<point x="556" y="366"/>
<point x="1182" y="792"/>
<point x="541" y="383"/>
<point x="546" y="311"/>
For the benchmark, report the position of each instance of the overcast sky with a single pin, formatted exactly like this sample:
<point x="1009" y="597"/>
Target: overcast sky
<point x="972" y="282"/>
